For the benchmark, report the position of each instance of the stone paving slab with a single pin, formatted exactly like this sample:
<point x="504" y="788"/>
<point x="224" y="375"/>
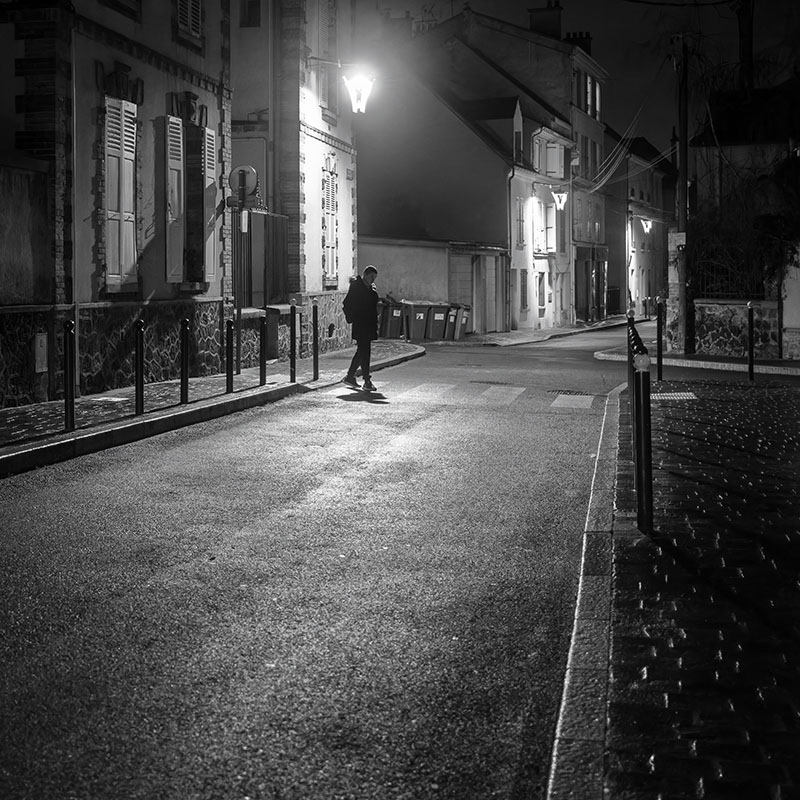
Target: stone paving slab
<point x="704" y="682"/>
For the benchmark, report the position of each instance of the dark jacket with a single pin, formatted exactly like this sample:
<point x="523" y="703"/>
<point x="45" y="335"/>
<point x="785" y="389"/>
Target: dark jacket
<point x="361" y="309"/>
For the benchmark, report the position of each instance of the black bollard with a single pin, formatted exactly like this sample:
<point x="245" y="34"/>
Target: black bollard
<point x="139" y="367"/>
<point x="229" y="356"/>
<point x="69" y="375"/>
<point x="644" y="458"/>
<point x="315" y="325"/>
<point x="262" y="355"/>
<point x="293" y="344"/>
<point x="659" y="337"/>
<point x="184" y="361"/>
<point x="750" y="343"/>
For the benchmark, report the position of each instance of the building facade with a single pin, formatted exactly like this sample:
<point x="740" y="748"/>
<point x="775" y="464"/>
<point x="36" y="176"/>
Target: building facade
<point x="293" y="123"/>
<point x="117" y="127"/>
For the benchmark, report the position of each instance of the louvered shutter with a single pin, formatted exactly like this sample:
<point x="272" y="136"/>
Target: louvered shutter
<point x="210" y="203"/>
<point x="190" y="17"/>
<point x="176" y="201"/>
<point x="120" y="191"/>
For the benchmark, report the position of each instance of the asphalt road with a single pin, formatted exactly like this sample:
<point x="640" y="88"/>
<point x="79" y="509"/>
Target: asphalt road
<point x="336" y="596"/>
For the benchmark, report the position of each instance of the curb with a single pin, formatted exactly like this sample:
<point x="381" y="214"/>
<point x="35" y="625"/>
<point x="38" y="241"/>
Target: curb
<point x="71" y="445"/>
<point x="577" y="764"/>
<point x="688" y="363"/>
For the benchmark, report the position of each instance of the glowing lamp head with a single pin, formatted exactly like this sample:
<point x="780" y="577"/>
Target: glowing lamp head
<point x="359" y="87"/>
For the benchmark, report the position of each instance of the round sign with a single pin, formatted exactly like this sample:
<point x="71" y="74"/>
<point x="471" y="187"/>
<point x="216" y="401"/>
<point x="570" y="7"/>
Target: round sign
<point x="250" y="179"/>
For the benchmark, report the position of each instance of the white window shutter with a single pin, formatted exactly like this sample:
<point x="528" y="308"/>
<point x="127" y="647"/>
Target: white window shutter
<point x="550" y="227"/>
<point x="210" y="203"/>
<point x="113" y="225"/>
<point x="554" y="166"/>
<point x="176" y="201"/>
<point x="128" y="193"/>
<point x="120" y="191"/>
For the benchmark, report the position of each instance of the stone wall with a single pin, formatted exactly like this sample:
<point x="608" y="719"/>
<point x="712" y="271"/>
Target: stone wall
<point x="721" y="328"/>
<point x="107" y="342"/>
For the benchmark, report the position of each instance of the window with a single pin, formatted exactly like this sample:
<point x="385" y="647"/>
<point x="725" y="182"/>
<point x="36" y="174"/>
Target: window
<point x="520" y="222"/>
<point x="328" y="83"/>
<point x="120" y="191"/>
<point x="589" y="94"/>
<point x="555" y="160"/>
<point x="190" y="18"/>
<point x="330" y="222"/>
<point x="541" y="292"/>
<point x="191" y="201"/>
<point x="597" y="99"/>
<point x="561" y="231"/>
<point x="249" y="13"/>
<point x="523" y="289"/>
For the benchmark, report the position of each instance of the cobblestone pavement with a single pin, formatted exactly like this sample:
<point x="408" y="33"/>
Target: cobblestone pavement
<point x="704" y="683"/>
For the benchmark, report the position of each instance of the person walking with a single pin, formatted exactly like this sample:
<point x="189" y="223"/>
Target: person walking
<point x="361" y="311"/>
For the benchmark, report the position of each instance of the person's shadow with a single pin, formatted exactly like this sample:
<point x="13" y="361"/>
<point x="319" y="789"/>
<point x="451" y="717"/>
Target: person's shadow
<point x="364" y="397"/>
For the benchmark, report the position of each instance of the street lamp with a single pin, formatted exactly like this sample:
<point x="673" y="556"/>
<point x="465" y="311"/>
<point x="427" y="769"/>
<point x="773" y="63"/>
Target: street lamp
<point x="358" y="84"/>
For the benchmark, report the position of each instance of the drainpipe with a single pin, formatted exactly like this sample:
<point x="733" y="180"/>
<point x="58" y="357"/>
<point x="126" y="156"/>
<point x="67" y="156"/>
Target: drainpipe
<point x="74" y="298"/>
<point x="510" y="244"/>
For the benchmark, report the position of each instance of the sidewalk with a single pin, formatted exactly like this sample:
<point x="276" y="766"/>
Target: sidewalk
<point x="32" y="436"/>
<point x="683" y="678"/>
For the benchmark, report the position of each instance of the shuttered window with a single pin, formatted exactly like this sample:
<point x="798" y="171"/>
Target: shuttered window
<point x="120" y="191"/>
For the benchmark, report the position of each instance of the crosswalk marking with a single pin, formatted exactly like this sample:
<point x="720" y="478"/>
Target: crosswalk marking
<point x="500" y="395"/>
<point x="465" y="394"/>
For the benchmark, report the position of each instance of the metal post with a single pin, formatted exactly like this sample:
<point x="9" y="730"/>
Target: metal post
<point x="660" y="336"/>
<point x="644" y="460"/>
<point x="750" y="343"/>
<point x="229" y="356"/>
<point x="293" y="343"/>
<point x="315" y="326"/>
<point x="139" y="367"/>
<point x="184" y="361"/>
<point x="262" y="354"/>
<point x="243" y="227"/>
<point x="69" y="375"/>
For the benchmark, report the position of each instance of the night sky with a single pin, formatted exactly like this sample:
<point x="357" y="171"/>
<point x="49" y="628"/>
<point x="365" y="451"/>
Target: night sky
<point x="632" y="41"/>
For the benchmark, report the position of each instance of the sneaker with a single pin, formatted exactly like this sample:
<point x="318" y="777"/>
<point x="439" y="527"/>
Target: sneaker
<point x="350" y="380"/>
<point x="368" y="385"/>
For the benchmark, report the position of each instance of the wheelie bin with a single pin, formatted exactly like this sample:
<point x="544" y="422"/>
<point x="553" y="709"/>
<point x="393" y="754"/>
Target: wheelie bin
<point x="415" y="316"/>
<point x="462" y="321"/>
<point x="437" y="321"/>
<point x="450" y="325"/>
<point x="393" y="320"/>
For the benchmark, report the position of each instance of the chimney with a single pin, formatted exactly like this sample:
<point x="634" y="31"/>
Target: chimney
<point x="582" y="39"/>
<point x="547" y="21"/>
